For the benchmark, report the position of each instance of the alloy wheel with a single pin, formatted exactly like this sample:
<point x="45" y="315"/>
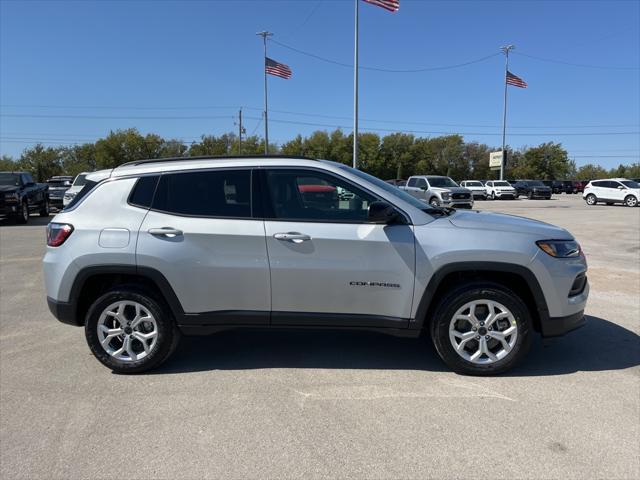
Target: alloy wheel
<point x="127" y="331"/>
<point x="591" y="199"/>
<point x="631" y="201"/>
<point x="483" y="332"/>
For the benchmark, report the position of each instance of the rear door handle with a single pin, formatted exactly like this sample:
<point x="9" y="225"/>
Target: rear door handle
<point x="293" y="237"/>
<point x="165" y="232"/>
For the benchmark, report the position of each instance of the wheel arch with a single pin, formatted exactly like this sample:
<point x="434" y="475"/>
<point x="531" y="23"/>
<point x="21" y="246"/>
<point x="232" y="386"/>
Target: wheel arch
<point x="515" y="277"/>
<point x="92" y="281"/>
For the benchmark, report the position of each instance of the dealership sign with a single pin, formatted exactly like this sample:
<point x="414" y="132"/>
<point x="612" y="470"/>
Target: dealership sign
<point x="495" y="160"/>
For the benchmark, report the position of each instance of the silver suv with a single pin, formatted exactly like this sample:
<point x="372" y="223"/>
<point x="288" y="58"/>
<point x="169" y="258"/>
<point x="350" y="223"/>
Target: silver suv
<point x="155" y="249"/>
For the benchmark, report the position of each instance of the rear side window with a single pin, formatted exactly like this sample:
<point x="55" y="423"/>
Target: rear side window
<point x="142" y="193"/>
<point x="412" y="182"/>
<point x="88" y="186"/>
<point x="219" y="193"/>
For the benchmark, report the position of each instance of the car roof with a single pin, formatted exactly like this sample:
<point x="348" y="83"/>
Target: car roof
<point x="202" y="162"/>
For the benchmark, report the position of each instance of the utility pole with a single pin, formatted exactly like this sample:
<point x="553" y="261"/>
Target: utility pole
<point x="241" y="130"/>
<point x="355" y="89"/>
<point x="506" y="49"/>
<point x="264" y="35"/>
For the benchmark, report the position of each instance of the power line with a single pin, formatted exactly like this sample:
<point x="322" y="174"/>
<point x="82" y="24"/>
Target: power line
<point x="571" y="64"/>
<point x="286" y="112"/>
<point x="452" y="133"/>
<point x="388" y="70"/>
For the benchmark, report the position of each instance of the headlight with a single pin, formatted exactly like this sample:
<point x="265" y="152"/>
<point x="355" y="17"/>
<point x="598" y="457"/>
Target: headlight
<point x="445" y="196"/>
<point x="12" y="197"/>
<point x="560" y="248"/>
<point x="69" y="196"/>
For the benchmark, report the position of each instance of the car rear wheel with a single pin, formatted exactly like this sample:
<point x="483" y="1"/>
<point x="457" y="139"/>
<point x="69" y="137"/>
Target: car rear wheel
<point x="482" y="329"/>
<point x="591" y="199"/>
<point x="630" y="201"/>
<point x="129" y="331"/>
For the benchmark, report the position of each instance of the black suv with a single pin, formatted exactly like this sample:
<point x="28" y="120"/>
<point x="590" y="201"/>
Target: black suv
<point x="532" y="189"/>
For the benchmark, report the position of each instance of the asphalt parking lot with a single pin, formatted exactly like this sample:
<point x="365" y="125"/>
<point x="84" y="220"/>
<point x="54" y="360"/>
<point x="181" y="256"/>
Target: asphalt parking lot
<point x="323" y="404"/>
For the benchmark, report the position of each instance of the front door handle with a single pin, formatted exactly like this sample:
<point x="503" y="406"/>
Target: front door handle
<point x="293" y="237"/>
<point x="165" y="232"/>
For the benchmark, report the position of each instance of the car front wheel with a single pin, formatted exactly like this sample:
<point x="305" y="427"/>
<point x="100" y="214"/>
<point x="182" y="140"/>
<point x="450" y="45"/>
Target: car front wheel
<point x="129" y="331"/>
<point x="44" y="210"/>
<point x="591" y="199"/>
<point x="434" y="202"/>
<point x="23" y="213"/>
<point x="630" y="201"/>
<point x="481" y="329"/>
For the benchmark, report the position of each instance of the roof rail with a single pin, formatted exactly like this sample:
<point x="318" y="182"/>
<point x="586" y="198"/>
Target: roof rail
<point x="211" y="157"/>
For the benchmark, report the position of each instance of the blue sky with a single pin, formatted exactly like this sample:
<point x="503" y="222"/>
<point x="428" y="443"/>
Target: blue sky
<point x="153" y="63"/>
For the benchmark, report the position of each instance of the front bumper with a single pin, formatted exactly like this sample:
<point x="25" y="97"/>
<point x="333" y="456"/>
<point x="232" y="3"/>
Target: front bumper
<point x="509" y="195"/>
<point x="8" y="210"/>
<point x="557" y="326"/>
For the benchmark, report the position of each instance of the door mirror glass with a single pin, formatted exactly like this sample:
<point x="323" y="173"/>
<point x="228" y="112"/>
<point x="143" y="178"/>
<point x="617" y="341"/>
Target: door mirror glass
<point x="383" y="213"/>
<point x="620" y="187"/>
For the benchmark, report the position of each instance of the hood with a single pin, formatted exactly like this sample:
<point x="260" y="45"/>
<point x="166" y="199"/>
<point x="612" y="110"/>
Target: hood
<point x="508" y="223"/>
<point x="8" y="188"/>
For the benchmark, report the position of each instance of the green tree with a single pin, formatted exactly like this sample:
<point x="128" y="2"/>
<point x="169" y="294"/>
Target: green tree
<point x="8" y="163"/>
<point x="78" y="159"/>
<point x="123" y="146"/>
<point x="43" y="162"/>
<point x="395" y="155"/>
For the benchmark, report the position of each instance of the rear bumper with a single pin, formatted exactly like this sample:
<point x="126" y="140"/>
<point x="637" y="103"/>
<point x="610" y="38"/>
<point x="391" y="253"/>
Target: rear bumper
<point x="557" y="326"/>
<point x="63" y="311"/>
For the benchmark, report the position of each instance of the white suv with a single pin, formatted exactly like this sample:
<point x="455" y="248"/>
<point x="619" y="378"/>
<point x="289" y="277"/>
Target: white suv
<point x="500" y="189"/>
<point x="77" y="185"/>
<point x="612" y="190"/>
<point x="477" y="188"/>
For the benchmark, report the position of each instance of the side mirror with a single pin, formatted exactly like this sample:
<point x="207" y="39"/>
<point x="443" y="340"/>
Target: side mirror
<point x="383" y="213"/>
<point x="620" y="187"/>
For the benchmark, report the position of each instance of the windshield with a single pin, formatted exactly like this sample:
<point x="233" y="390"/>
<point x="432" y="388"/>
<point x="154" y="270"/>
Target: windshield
<point x="10" y="179"/>
<point x="501" y="184"/>
<point x="441" y="182"/>
<point x="473" y="184"/>
<point x="630" y="184"/>
<point x="80" y="180"/>
<point x="395" y="191"/>
<point x="535" y="183"/>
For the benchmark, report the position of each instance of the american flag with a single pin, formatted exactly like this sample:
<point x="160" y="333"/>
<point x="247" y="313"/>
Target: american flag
<point x="515" y="80"/>
<point x="278" y="69"/>
<point x="391" y="5"/>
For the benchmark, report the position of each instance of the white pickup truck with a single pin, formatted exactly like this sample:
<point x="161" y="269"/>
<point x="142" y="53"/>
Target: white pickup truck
<point x="438" y="190"/>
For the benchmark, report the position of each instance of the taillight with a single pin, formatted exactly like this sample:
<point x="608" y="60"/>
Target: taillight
<point x="57" y="233"/>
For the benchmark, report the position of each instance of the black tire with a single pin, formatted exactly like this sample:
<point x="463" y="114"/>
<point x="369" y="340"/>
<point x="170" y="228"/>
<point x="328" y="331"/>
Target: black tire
<point x="44" y="210"/>
<point x="23" y="214"/>
<point x="433" y="201"/>
<point x="609" y="203"/>
<point x="168" y="333"/>
<point x="630" y="201"/>
<point x="591" y="199"/>
<point x="468" y="292"/>
<point x="530" y="195"/>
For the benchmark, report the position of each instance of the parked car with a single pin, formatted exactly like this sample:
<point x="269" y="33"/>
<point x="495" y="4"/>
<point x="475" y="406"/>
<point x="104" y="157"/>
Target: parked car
<point x="532" y="189"/>
<point x="76" y="186"/>
<point x="437" y="191"/>
<point x="556" y="186"/>
<point x="20" y="196"/>
<point x="612" y="190"/>
<point x="58" y="186"/>
<point x="477" y="188"/>
<point x="500" y="189"/>
<point x="158" y="249"/>
<point x="572" y="186"/>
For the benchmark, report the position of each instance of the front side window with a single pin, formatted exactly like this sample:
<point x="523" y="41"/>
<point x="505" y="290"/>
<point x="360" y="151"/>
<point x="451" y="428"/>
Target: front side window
<point x="313" y="196"/>
<point x="218" y="193"/>
<point x="422" y="183"/>
<point x="442" y="182"/>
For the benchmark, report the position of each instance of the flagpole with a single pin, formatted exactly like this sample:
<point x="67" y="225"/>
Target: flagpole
<point x="264" y="36"/>
<point x="355" y="90"/>
<point x="506" y="51"/>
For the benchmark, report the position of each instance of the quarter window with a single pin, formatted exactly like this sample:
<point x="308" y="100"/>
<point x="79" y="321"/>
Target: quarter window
<point x="310" y="196"/>
<point x="219" y="193"/>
